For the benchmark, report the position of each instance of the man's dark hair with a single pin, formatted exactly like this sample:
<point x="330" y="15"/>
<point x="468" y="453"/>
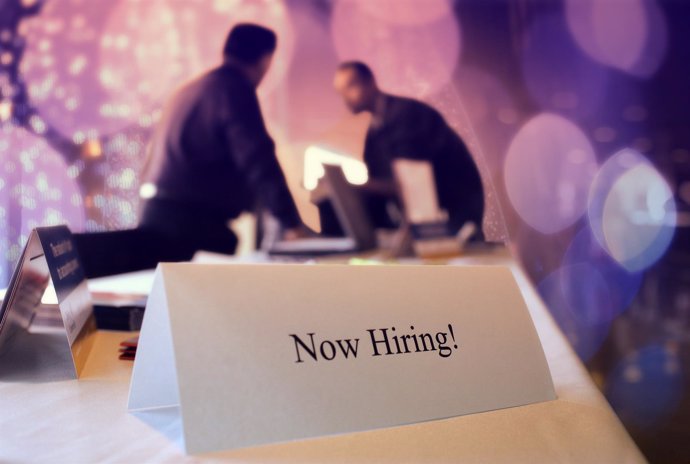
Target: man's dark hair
<point x="362" y="70"/>
<point x="249" y="43"/>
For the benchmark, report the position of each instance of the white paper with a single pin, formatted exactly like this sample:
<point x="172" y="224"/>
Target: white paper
<point x="418" y="189"/>
<point x="216" y="341"/>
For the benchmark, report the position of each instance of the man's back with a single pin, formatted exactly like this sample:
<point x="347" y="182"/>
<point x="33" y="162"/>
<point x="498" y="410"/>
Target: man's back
<point x="412" y="129"/>
<point x="189" y="143"/>
<point x="212" y="150"/>
<point x="210" y="158"/>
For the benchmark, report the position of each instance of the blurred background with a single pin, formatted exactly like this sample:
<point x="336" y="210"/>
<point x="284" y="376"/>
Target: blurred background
<point x="577" y="113"/>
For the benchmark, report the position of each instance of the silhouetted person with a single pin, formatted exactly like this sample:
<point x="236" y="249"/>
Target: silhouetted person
<point x="407" y="128"/>
<point x="211" y="158"/>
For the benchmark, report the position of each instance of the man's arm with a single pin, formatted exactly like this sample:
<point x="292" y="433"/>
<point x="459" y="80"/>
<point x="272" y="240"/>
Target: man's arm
<point x="254" y="152"/>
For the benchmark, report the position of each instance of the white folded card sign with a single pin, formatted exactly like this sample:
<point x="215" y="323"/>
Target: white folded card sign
<point x="49" y="260"/>
<point x="252" y="354"/>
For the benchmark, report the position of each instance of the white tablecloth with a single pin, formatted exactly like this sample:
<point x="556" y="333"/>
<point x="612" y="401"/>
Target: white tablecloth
<point x="57" y="420"/>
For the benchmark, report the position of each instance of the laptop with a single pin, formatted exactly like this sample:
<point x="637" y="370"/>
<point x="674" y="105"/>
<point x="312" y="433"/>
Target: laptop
<point x="350" y="212"/>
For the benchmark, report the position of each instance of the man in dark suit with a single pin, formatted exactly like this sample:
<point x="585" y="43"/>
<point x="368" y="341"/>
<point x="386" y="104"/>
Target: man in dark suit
<point x="211" y="158"/>
<point x="407" y="128"/>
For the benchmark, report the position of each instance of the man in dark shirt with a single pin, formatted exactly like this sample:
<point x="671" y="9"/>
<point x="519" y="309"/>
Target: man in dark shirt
<point x="211" y="158"/>
<point x="407" y="128"/>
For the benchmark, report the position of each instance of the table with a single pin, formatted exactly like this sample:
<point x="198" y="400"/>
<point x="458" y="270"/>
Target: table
<point x="60" y="420"/>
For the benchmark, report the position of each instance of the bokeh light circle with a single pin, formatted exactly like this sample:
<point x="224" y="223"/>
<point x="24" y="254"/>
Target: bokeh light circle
<point x="311" y="71"/>
<point x="578" y="299"/>
<point x="407" y="11"/>
<point x="645" y="388"/>
<point x="657" y="42"/>
<point x="632" y="210"/>
<point x="622" y="285"/>
<point x="632" y="39"/>
<point x="95" y="68"/>
<point x="409" y="58"/>
<point x="557" y="74"/>
<point x="548" y="171"/>
<point x="36" y="189"/>
<point x="149" y="47"/>
<point x="60" y="67"/>
<point x="142" y="58"/>
<point x="610" y="34"/>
